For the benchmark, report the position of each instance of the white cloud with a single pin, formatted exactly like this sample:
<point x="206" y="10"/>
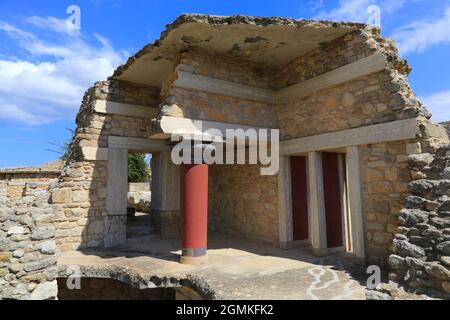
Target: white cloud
<point x="356" y="10"/>
<point x="348" y="10"/>
<point x="439" y="105"/>
<point x="420" y="35"/>
<point x="48" y="84"/>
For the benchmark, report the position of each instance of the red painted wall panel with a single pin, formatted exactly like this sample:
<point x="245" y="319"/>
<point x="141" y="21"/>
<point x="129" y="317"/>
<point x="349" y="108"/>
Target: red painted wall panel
<point x="299" y="198"/>
<point x="333" y="209"/>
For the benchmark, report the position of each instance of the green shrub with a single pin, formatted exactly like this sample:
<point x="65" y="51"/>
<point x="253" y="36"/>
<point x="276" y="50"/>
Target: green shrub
<point x="138" y="169"/>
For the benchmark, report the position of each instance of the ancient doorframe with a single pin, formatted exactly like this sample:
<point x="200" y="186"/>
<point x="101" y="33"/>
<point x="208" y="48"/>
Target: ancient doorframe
<point x="117" y="183"/>
<point x="346" y="142"/>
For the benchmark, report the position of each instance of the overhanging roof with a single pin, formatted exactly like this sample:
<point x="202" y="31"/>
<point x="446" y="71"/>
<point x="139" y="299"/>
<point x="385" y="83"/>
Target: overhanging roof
<point x="268" y="41"/>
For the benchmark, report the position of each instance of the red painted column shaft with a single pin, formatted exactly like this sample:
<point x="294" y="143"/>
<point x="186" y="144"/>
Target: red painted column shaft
<point x="194" y="208"/>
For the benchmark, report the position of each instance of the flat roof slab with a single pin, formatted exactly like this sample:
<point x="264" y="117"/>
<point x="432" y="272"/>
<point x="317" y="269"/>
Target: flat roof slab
<point x="269" y="41"/>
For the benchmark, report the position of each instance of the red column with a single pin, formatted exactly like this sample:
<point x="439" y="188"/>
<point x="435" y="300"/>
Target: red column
<point x="194" y="210"/>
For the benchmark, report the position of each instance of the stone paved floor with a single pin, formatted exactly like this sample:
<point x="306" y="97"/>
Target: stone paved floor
<point x="237" y="269"/>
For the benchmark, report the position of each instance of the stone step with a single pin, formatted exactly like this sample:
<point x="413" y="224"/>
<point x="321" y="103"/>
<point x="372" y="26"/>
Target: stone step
<point x="139" y="240"/>
<point x="144" y="220"/>
<point x="139" y="231"/>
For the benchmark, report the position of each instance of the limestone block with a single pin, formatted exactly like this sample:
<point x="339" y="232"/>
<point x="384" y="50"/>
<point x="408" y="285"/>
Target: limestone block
<point x="45" y="291"/>
<point x="62" y="195"/>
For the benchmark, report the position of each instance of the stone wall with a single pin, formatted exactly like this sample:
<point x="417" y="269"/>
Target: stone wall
<point x="376" y="98"/>
<point x="27" y="246"/>
<point x="109" y="289"/>
<point x="243" y="203"/>
<point x="421" y="258"/>
<point x="17" y="178"/>
<point x="385" y="185"/>
<point x="80" y="198"/>
<point x="446" y="126"/>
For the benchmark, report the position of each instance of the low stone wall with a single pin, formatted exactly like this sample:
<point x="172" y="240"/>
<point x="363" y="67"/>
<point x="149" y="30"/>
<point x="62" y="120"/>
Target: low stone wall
<point x="109" y="289"/>
<point x="27" y="246"/>
<point x="446" y="125"/>
<point x="421" y="258"/>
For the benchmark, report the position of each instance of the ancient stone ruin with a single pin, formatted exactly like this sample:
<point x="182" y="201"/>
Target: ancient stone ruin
<point x="362" y="169"/>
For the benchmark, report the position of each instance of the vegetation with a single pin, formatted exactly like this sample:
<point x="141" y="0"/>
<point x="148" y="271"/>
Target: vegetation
<point x="138" y="165"/>
<point x="138" y="168"/>
<point x="62" y="148"/>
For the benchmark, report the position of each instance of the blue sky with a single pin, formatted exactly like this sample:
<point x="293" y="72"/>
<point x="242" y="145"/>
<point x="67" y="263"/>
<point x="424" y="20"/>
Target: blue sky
<point x="45" y="67"/>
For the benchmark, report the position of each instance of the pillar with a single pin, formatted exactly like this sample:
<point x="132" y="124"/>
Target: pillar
<point x="194" y="208"/>
<point x="285" y="202"/>
<point x="318" y="231"/>
<point x="116" y="202"/>
<point x="165" y="195"/>
<point x="355" y="201"/>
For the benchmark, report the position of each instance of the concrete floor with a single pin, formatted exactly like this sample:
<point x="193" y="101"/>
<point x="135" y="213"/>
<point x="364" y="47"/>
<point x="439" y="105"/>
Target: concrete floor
<point x="237" y="269"/>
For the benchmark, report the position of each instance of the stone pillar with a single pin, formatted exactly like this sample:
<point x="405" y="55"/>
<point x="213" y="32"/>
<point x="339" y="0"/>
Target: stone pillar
<point x="165" y="195"/>
<point x="285" y="202"/>
<point x="194" y="208"/>
<point x="355" y="201"/>
<point x="116" y="202"/>
<point x="317" y="227"/>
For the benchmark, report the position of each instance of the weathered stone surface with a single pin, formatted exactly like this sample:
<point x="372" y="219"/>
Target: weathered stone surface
<point x="411" y="217"/>
<point x="405" y="249"/>
<point x="45" y="291"/>
<point x="22" y="265"/>
<point x="397" y="262"/>
<point x="17" y="230"/>
<point x="48" y="247"/>
<point x="420" y="160"/>
<point x="437" y="271"/>
<point x="43" y="232"/>
<point x="39" y="265"/>
<point x="445" y="260"/>
<point x="62" y="195"/>
<point x="444" y="247"/>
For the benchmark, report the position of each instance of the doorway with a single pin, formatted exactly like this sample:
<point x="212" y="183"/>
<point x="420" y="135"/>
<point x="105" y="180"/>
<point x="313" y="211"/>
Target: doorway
<point x="333" y="195"/>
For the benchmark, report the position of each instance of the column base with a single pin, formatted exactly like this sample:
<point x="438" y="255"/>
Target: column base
<point x="194" y="260"/>
<point x="321" y="252"/>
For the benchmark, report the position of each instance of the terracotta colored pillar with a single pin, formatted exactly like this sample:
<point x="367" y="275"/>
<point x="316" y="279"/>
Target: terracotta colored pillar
<point x="194" y="210"/>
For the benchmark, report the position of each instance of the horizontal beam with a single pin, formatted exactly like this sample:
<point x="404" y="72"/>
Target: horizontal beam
<point x="125" y="109"/>
<point x="207" y="130"/>
<point x="137" y="144"/>
<point x="94" y="153"/>
<point x="193" y="81"/>
<point x="355" y="70"/>
<point x="385" y="132"/>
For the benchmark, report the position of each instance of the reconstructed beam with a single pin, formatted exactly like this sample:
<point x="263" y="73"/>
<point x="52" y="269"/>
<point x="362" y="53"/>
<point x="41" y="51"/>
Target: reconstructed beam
<point x="207" y="130"/>
<point x="222" y="87"/>
<point x="385" y="132"/>
<point x="360" y="68"/>
<point x="351" y="71"/>
<point x="137" y="144"/>
<point x="125" y="109"/>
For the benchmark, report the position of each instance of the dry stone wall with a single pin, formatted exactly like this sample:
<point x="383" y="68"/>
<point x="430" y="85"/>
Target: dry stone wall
<point x="421" y="246"/>
<point x="446" y="126"/>
<point x="27" y="244"/>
